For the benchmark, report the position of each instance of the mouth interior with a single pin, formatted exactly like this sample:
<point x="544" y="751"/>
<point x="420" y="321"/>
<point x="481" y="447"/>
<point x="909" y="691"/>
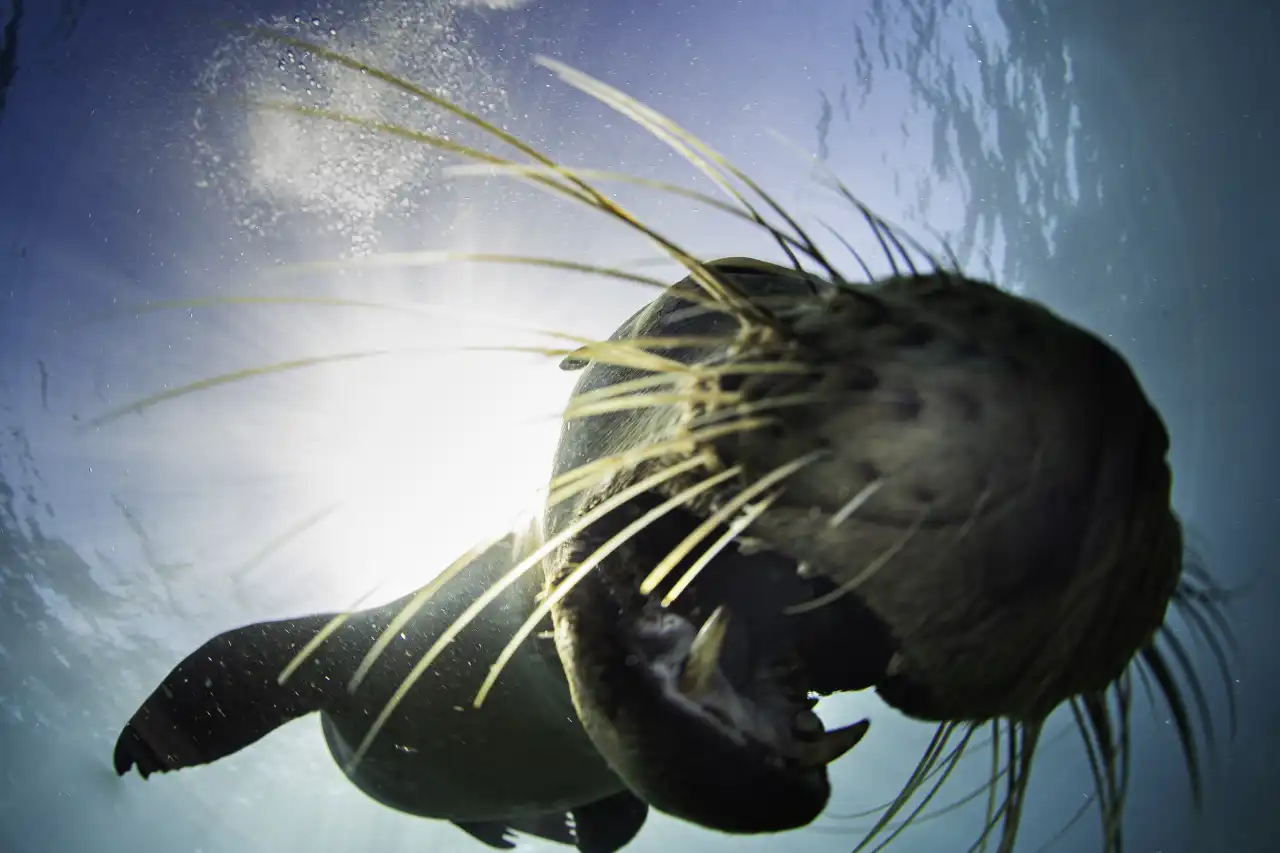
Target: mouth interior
<point x="754" y="709"/>
<point x="727" y="655"/>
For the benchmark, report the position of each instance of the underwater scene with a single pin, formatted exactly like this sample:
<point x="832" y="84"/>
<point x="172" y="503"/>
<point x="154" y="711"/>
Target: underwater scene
<point x="546" y="424"/>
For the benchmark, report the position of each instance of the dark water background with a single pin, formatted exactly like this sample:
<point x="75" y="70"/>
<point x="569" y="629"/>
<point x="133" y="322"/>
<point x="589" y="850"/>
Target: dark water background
<point x="1167" y="246"/>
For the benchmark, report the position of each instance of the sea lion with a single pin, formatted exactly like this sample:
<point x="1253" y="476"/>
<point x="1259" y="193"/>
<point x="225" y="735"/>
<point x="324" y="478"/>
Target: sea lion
<point x="776" y="482"/>
<point x="521" y="762"/>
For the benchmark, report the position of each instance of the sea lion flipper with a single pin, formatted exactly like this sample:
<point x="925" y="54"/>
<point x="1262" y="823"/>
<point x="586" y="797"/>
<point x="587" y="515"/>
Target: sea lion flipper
<point x="608" y="825"/>
<point x="497" y="835"/>
<point x="552" y="826"/>
<point x="223" y="697"/>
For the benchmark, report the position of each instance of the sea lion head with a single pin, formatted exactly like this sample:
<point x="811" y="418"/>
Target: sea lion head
<point x="938" y="489"/>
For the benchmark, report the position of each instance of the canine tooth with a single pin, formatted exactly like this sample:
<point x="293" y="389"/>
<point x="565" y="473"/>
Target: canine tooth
<point x="704" y="654"/>
<point x="832" y="745"/>
<point x="896" y="664"/>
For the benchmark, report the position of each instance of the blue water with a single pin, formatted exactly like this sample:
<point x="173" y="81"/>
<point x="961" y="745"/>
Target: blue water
<point x="1113" y="159"/>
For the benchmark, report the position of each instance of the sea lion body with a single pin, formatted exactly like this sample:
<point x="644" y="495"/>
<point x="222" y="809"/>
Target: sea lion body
<point x="520" y="761"/>
<point x="522" y="746"/>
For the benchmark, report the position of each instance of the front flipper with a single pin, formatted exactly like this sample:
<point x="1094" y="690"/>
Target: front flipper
<point x="225" y="696"/>
<point x="604" y="826"/>
<point x="608" y="825"/>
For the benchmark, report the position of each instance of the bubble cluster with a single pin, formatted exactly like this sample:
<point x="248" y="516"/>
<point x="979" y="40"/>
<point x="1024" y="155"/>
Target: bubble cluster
<point x="345" y="180"/>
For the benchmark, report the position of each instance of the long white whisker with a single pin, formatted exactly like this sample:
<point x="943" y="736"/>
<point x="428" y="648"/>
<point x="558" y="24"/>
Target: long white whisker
<point x="731" y="533"/>
<point x="854" y="503"/>
<point x="598" y="556"/>
<point x="514" y="574"/>
<point x="863" y="576"/>
<point x="699" y="533"/>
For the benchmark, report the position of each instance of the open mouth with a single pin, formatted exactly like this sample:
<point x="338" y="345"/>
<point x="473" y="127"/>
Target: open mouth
<point x="705" y="673"/>
<point x="705" y="706"/>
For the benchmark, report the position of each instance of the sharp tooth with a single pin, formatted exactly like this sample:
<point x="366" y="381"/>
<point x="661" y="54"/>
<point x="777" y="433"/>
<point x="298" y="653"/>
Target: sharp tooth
<point x="823" y="751"/>
<point x="704" y="654"/>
